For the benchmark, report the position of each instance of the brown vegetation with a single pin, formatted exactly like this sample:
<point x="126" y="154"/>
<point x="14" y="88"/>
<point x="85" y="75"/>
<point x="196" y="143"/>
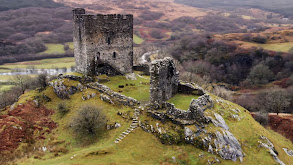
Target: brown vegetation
<point x="24" y="124"/>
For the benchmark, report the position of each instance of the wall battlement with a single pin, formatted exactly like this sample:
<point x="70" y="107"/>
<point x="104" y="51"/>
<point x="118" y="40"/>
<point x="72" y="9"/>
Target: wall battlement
<point x="103" y="43"/>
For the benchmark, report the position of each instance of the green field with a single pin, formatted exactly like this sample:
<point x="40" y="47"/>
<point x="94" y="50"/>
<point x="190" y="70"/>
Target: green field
<point x="5" y="87"/>
<point x="278" y="47"/>
<point x="70" y="44"/>
<point x="54" y="49"/>
<point x="49" y="63"/>
<point x="137" y="39"/>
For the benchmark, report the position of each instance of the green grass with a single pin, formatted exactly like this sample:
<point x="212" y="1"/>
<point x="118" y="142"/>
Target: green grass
<point x="138" y="89"/>
<point x="5" y="78"/>
<point x="278" y="47"/>
<point x="182" y="101"/>
<point x="70" y="44"/>
<point x="54" y="49"/>
<point x="50" y="63"/>
<point x="247" y="131"/>
<point x="137" y="39"/>
<point x="5" y="87"/>
<point x="143" y="147"/>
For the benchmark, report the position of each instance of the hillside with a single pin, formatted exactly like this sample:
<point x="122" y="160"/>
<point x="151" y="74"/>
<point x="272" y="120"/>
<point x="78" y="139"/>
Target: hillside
<point x="283" y="6"/>
<point x="149" y="141"/>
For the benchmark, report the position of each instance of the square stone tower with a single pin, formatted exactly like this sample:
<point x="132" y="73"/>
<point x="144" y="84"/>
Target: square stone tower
<point x="103" y="44"/>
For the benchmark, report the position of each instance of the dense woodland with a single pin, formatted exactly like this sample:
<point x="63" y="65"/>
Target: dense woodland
<point x="25" y="31"/>
<point x="16" y="4"/>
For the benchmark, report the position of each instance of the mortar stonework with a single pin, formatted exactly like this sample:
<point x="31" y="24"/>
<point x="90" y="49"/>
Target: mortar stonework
<point x="103" y="44"/>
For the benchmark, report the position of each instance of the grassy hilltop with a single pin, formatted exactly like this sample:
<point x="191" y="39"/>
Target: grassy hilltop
<point x="62" y="146"/>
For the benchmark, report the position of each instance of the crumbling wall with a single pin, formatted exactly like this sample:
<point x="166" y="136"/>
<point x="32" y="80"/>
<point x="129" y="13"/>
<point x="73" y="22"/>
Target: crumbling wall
<point x="187" y="88"/>
<point x="102" y="40"/>
<point x="164" y="79"/>
<point x="112" y="97"/>
<point x="195" y="113"/>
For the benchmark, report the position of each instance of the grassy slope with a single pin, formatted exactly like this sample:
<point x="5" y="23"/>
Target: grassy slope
<point x="50" y="63"/>
<point x="278" y="47"/>
<point x="137" y="40"/>
<point x="54" y="49"/>
<point x="143" y="147"/>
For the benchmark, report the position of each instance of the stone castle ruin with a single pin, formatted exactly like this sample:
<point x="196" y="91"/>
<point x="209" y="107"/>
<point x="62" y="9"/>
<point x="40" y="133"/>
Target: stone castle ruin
<point x="103" y="44"/>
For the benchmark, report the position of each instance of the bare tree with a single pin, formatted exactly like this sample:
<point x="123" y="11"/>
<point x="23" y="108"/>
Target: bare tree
<point x="273" y="100"/>
<point x="21" y="81"/>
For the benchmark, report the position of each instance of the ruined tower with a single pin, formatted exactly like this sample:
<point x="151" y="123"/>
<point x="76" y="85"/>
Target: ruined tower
<point x="164" y="80"/>
<point x="103" y="44"/>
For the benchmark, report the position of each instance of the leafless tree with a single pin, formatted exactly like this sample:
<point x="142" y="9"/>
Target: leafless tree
<point x="273" y="100"/>
<point x="21" y="81"/>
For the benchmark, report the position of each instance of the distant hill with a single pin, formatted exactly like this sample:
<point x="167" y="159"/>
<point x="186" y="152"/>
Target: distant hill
<point x="16" y="4"/>
<point x="284" y="7"/>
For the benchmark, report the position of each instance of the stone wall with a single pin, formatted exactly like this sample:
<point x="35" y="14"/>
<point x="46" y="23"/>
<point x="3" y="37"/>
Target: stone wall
<point x="187" y="88"/>
<point x="144" y="68"/>
<point x="164" y="79"/>
<point x="195" y="113"/>
<point x="101" y="40"/>
<point x="112" y="97"/>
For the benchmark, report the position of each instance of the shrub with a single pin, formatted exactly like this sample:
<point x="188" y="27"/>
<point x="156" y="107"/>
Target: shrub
<point x="62" y="109"/>
<point x="156" y="34"/>
<point x="90" y="122"/>
<point x="259" y="39"/>
<point x="42" y="80"/>
<point x="260" y="74"/>
<point x="262" y="118"/>
<point x="223" y="92"/>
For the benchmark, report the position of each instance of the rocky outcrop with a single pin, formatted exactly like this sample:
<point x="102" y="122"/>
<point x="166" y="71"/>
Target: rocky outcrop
<point x="266" y="143"/>
<point x="60" y="89"/>
<point x="220" y="122"/>
<point x="221" y="142"/>
<point x="227" y="146"/>
<point x="288" y="152"/>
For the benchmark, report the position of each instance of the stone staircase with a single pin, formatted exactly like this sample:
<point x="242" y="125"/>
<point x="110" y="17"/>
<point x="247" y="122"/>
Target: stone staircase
<point x="133" y="126"/>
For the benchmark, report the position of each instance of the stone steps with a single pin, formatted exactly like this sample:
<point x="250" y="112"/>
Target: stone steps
<point x="134" y="124"/>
